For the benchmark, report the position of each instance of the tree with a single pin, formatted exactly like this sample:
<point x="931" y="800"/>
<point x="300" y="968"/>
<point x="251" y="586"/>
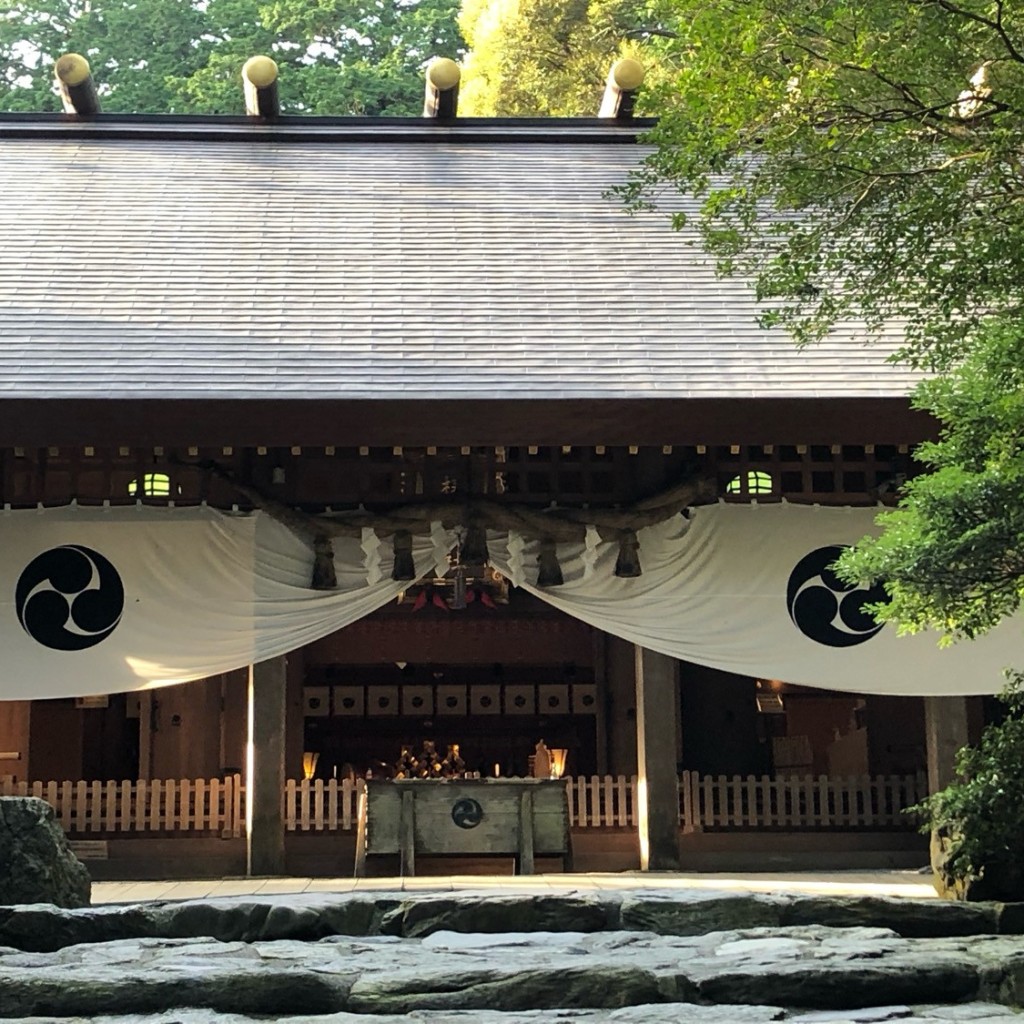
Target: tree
<point x="336" y="56"/>
<point x="856" y="158"/>
<point x="952" y="553"/>
<point x="862" y="160"/>
<point x="133" y="47"/>
<point x="160" y="56"/>
<point x="550" y="57"/>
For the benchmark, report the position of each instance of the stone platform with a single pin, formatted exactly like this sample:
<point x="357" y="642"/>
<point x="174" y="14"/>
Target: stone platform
<point x="629" y="957"/>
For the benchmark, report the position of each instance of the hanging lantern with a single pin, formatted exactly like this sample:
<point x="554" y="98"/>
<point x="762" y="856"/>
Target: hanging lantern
<point x="473" y="550"/>
<point x="403" y="568"/>
<point x="627" y="565"/>
<point x="550" y="572"/>
<point x="459" y="588"/>
<point x="324" y="575"/>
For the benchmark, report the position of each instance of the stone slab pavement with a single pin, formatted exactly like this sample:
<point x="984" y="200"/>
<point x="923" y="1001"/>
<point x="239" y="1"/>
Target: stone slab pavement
<point x="912" y="884"/>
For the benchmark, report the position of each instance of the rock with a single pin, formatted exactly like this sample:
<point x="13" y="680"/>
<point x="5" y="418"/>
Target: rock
<point x="415" y="918"/>
<point x="911" y="918"/>
<point x="1010" y="918"/>
<point x="36" y="863"/>
<point x="698" y="913"/>
<point x="494" y="988"/>
<point x="1003" y="879"/>
<point x="247" y="919"/>
<point x="844" y="984"/>
<point x="229" y="986"/>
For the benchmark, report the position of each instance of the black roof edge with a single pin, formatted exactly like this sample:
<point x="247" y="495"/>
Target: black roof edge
<point x="292" y="128"/>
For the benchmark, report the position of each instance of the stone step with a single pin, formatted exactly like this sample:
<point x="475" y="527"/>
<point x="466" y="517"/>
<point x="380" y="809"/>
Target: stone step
<point x="802" y="967"/>
<point x="312" y="916"/>
<point x="661" y="1013"/>
<point x="594" y="957"/>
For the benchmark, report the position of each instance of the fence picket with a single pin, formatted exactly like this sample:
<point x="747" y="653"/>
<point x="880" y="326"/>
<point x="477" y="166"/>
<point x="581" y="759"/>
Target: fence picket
<point x="632" y="800"/>
<point x="51" y="797"/>
<point x="155" y="805"/>
<point x="304" y="794"/>
<point x="318" y="805"/>
<point x="347" y="793"/>
<point x="290" y="805"/>
<point x="184" y="805"/>
<point x="237" y="817"/>
<point x="332" y="805"/>
<point x="200" y="808"/>
<point x="110" y="807"/>
<point x="764" y="789"/>
<point x="620" y="790"/>
<point x="608" y="805"/>
<point x="81" y="816"/>
<point x="686" y="817"/>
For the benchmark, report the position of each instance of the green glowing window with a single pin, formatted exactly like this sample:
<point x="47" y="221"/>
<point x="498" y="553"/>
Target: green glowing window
<point x="756" y="481"/>
<point x="151" y="485"/>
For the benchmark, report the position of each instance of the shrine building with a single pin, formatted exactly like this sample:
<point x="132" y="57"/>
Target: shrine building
<point x="321" y="438"/>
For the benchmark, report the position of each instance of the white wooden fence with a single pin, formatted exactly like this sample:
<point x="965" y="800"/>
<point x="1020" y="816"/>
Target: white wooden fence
<point x="321" y="805"/>
<point x="159" y="805"/>
<point x="803" y="802"/>
<point x="705" y="802"/>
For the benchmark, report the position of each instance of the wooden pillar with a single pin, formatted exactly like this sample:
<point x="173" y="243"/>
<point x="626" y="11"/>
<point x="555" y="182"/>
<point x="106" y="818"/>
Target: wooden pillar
<point x="620" y="705"/>
<point x="657" y="681"/>
<point x="945" y="730"/>
<point x="264" y="768"/>
<point x="146" y="712"/>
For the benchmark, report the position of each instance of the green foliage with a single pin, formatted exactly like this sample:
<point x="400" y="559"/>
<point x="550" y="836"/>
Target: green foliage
<point x="982" y="811"/>
<point x="952" y="553"/>
<point x="847" y="163"/>
<point x="551" y="57"/>
<point x="161" y="56"/>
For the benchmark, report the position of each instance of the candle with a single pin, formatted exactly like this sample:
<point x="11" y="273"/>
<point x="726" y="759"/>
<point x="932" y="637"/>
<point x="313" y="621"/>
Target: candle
<point x="497" y="770"/>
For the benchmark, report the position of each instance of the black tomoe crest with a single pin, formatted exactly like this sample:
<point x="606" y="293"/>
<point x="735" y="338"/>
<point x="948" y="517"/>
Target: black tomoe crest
<point x="827" y="609"/>
<point x="69" y="598"/>
<point x="467" y="813"/>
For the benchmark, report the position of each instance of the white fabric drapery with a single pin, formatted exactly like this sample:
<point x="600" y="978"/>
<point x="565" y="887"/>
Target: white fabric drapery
<point x="714" y="592"/>
<point x="203" y="592"/>
<point x="100" y="600"/>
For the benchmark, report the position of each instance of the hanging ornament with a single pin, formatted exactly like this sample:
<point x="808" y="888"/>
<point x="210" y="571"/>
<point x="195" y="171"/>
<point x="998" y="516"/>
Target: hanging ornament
<point x="550" y="572"/>
<point x="627" y="565"/>
<point x="474" y="546"/>
<point x="403" y="568"/>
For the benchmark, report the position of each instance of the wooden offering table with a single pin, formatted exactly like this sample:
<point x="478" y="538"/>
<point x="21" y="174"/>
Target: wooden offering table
<point x="523" y="818"/>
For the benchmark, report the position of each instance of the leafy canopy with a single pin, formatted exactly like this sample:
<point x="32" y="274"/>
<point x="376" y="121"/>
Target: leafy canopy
<point x="846" y="161"/>
<point x="176" y="56"/>
<point x="551" y="57"/>
<point x="952" y="554"/>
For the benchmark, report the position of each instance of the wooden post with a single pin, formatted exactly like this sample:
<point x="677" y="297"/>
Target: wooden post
<point x="264" y="791"/>
<point x="360" y="865"/>
<point x="407" y="835"/>
<point x="146" y="735"/>
<point x="658" y="783"/>
<point x="945" y="727"/>
<point x="524" y="862"/>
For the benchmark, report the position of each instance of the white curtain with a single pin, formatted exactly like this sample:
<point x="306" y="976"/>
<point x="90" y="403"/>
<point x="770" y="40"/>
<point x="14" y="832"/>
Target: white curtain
<point x="717" y="590"/>
<point x="194" y="592"/>
<point x="100" y="600"/>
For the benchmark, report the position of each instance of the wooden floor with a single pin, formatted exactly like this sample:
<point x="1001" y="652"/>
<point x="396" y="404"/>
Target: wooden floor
<point x="852" y="883"/>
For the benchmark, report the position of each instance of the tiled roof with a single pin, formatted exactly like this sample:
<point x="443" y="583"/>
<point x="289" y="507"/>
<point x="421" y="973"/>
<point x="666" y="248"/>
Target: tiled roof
<point x="203" y="268"/>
